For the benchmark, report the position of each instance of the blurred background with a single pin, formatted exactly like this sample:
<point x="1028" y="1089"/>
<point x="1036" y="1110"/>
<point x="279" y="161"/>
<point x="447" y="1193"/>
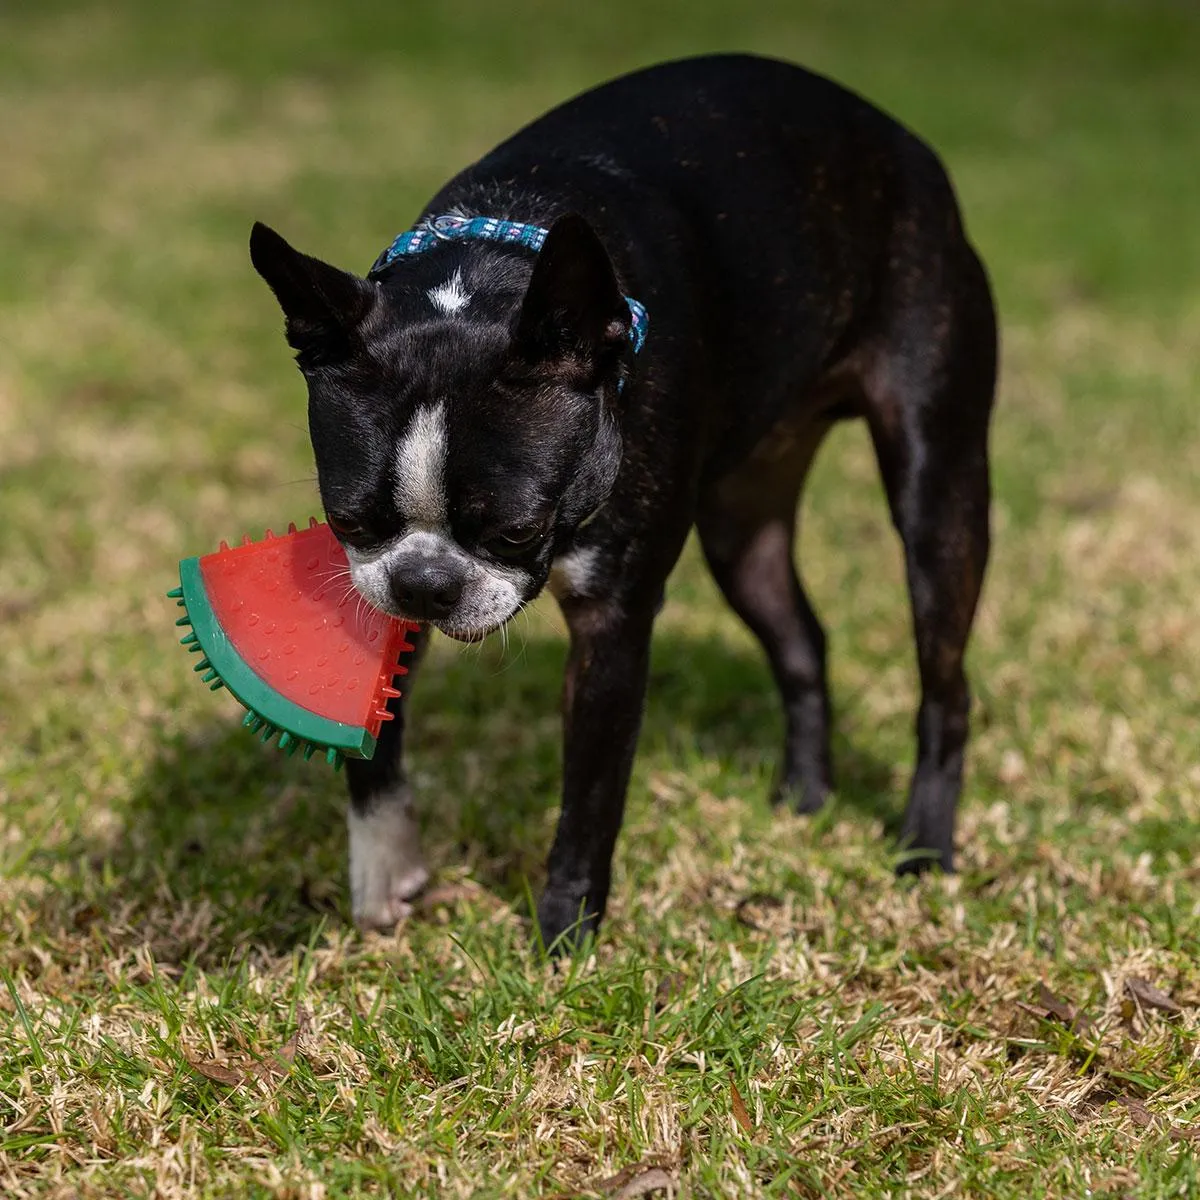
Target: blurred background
<point x="148" y="406"/>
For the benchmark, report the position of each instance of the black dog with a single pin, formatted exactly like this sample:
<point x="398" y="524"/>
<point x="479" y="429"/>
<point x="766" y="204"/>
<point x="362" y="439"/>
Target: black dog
<point x="484" y="424"/>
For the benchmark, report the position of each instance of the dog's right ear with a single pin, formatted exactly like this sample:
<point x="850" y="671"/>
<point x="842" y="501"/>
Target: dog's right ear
<point x="323" y="305"/>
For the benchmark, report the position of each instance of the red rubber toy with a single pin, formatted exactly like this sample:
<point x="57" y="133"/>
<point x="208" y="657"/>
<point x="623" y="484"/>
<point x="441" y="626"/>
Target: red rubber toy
<point x="279" y="624"/>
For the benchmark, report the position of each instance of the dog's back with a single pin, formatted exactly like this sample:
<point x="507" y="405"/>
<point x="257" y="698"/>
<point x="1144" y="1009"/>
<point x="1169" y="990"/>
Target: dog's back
<point x="764" y="214"/>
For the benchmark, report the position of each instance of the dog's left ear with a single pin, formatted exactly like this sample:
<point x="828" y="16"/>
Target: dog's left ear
<point x="322" y="304"/>
<point x="573" y="307"/>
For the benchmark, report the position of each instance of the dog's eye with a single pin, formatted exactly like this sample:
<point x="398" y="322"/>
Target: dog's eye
<point x="346" y="528"/>
<point x="511" y="542"/>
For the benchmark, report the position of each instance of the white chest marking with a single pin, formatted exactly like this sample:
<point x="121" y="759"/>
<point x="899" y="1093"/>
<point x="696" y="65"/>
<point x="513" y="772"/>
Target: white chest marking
<point x="574" y="573"/>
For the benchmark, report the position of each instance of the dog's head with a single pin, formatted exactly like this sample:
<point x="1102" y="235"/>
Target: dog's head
<point x="463" y="414"/>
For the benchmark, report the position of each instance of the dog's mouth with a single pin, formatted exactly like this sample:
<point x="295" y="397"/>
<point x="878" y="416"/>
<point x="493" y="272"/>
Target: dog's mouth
<point x="467" y="631"/>
<point x="469" y="636"/>
<point x="460" y="633"/>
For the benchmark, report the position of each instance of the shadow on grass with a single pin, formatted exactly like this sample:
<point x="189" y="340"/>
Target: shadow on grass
<point x="222" y="824"/>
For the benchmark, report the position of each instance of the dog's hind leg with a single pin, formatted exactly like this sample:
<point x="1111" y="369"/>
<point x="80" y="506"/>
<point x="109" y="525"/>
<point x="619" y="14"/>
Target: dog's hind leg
<point x="747" y="524"/>
<point x="928" y="413"/>
<point x="387" y="867"/>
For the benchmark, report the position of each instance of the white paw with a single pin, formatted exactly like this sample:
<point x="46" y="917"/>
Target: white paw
<point x="386" y="865"/>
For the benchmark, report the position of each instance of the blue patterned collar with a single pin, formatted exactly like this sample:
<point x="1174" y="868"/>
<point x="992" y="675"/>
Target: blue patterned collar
<point x="451" y="228"/>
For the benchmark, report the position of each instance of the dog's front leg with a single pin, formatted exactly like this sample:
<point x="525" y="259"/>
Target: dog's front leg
<point x="387" y="867"/>
<point x="603" y="694"/>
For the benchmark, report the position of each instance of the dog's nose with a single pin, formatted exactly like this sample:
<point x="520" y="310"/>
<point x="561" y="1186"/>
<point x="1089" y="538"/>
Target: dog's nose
<point x="426" y="591"/>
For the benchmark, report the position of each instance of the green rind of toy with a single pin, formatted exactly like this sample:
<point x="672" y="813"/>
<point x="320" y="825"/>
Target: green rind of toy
<point x="268" y="711"/>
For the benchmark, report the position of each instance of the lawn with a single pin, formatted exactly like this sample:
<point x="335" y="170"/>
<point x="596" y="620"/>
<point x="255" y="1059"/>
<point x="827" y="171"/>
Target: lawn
<point x="185" y="1010"/>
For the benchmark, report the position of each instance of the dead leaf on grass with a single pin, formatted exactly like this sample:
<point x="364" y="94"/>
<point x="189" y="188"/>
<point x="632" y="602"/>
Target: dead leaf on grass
<point x="740" y="1115"/>
<point x="1139" y="1114"/>
<point x="1052" y="1007"/>
<point x="1055" y="1006"/>
<point x="1096" y="1099"/>
<point x="1143" y="1118"/>
<point x="638" y="1180"/>
<point x="218" y="1072"/>
<point x="745" y="914"/>
<point x="1146" y="993"/>
<point x="235" y="1074"/>
<point x="285" y="1056"/>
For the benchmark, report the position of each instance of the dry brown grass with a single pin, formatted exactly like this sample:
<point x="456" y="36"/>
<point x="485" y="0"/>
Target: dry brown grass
<point x="184" y="1011"/>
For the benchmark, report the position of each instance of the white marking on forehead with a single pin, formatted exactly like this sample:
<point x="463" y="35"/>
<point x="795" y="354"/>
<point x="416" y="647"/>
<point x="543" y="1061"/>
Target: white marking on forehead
<point x="421" y="469"/>
<point x="451" y="296"/>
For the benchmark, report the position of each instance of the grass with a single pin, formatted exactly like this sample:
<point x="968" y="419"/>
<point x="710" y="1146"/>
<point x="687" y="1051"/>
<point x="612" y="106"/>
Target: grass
<point x="184" y="1009"/>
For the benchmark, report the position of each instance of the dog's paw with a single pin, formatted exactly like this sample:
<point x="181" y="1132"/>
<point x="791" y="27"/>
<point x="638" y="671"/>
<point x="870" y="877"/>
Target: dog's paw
<point x="927" y="835"/>
<point x="925" y="846"/>
<point x="387" y="868"/>
<point x="566" y="920"/>
<point x="916" y="859"/>
<point x="802" y="793"/>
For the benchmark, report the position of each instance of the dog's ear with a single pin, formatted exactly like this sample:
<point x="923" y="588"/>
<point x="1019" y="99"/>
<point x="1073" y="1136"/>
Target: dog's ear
<point x="323" y="305"/>
<point x="573" y="307"/>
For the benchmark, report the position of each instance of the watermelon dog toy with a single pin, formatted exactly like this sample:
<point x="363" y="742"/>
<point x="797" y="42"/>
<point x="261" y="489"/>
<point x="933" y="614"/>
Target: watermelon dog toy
<point x="278" y="623"/>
